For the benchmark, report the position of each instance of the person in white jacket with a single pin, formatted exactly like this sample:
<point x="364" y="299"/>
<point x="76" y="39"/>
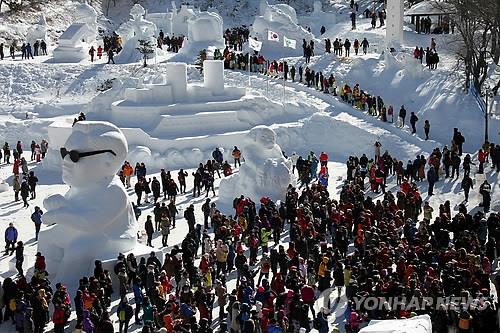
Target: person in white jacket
<point x="294" y="159"/>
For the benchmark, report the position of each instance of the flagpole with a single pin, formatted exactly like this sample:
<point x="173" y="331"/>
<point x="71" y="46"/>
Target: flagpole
<point x="267" y="78"/>
<point x="249" y="68"/>
<point x="284" y="83"/>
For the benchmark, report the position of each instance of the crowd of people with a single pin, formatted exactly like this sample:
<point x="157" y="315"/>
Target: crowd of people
<point x="235" y="37"/>
<point x="24" y="181"/>
<point x="402" y="248"/>
<point x="431" y="55"/>
<point x="39" y="48"/>
<point x="173" y="43"/>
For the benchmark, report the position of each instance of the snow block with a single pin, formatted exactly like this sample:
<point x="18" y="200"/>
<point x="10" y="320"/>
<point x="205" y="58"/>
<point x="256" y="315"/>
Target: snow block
<point x="177" y="79"/>
<point x="213" y="76"/>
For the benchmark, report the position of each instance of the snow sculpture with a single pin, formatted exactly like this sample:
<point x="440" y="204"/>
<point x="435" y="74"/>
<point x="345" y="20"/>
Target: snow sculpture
<point x="38" y="31"/>
<point x="205" y="27"/>
<point x="75" y="42"/>
<point x="282" y="19"/>
<point x="213" y="76"/>
<point x="4" y="187"/>
<point x="318" y="18"/>
<point x="394" y="30"/>
<point x="180" y="20"/>
<point x="265" y="171"/>
<point x="94" y="219"/>
<point x="134" y="30"/>
<point x="317" y="7"/>
<point x="204" y="32"/>
<point x="177" y="79"/>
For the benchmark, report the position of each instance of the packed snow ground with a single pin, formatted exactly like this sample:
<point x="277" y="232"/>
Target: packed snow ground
<point x="46" y="92"/>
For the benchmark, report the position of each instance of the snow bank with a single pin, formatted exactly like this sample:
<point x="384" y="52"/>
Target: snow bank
<point x="418" y="324"/>
<point x="265" y="171"/>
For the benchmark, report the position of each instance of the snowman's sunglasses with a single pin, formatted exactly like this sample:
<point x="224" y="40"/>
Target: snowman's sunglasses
<point x="75" y="155"/>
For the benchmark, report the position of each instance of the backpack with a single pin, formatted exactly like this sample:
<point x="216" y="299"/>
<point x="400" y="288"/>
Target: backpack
<point x="122" y="315"/>
<point x="12" y="305"/>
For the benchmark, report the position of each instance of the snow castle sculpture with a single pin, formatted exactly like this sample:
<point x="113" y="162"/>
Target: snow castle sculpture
<point x="266" y="172"/>
<point x="282" y="19"/>
<point x="205" y="30"/>
<point x="75" y="42"/>
<point x="134" y="30"/>
<point x="94" y="219"/>
<point x="180" y="19"/>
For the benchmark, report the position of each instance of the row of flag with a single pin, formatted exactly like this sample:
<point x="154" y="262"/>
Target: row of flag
<point x="274" y="37"/>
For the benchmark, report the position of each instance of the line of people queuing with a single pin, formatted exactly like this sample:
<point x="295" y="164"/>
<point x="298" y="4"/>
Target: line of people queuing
<point x="39" y="48"/>
<point x="24" y="181"/>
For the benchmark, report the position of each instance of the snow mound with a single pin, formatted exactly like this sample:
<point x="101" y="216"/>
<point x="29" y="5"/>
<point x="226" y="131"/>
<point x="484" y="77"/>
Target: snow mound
<point x="418" y="324"/>
<point x="4" y="187"/>
<point x="265" y="172"/>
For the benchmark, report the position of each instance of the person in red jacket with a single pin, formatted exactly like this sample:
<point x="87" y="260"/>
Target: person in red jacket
<point x="308" y="296"/>
<point x="481" y="157"/>
<point x="58" y="318"/>
<point x="15" y="168"/>
<point x="99" y="52"/>
<point x="405" y="187"/>
<point x="323" y="158"/>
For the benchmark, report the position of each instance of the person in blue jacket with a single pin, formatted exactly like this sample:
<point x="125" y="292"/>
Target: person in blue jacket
<point x="36" y="217"/>
<point x="431" y="178"/>
<point x="10" y="239"/>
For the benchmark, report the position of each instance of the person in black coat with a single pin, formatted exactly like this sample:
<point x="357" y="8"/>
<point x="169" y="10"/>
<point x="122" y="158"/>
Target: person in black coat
<point x="148" y="226"/>
<point x="413" y="122"/>
<point x="467" y="184"/>
<point x="19" y="258"/>
<point x="32" y="181"/>
<point x="25" y="192"/>
<point x="156" y="188"/>
<point x="455" y="165"/>
<point x="138" y="188"/>
<point x="190" y="218"/>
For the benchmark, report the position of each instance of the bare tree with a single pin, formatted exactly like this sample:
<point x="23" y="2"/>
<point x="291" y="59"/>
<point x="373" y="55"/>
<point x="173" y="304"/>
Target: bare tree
<point x="477" y="24"/>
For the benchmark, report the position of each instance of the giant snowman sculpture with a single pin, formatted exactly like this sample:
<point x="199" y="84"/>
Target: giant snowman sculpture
<point x="94" y="219"/>
<point x="137" y="28"/>
<point x="265" y="172"/>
